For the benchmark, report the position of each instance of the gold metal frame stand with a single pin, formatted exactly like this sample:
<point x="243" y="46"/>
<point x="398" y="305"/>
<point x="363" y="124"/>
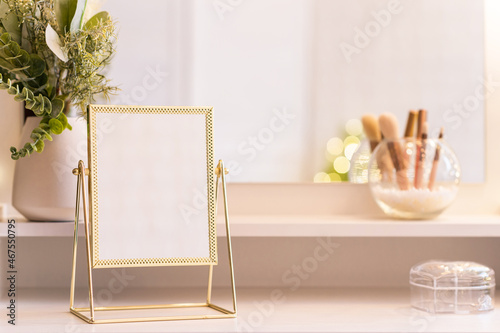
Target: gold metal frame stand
<point x="81" y="172"/>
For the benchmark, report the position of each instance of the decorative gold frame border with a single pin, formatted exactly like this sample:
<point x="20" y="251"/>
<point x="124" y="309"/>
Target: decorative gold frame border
<point x="93" y="110"/>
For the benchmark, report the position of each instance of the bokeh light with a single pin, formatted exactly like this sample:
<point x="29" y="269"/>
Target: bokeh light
<point x="339" y="152"/>
<point x="335" y="146"/>
<point x="321" y="177"/>
<point x="354" y="127"/>
<point x="335" y="177"/>
<point x="350" y="149"/>
<point x="341" y="164"/>
<point x="351" y="139"/>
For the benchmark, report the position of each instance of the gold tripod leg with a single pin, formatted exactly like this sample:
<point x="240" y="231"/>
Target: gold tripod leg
<point x="221" y="172"/>
<point x="81" y="172"/>
<point x="75" y="241"/>
<point x="210" y="278"/>
<point x="81" y="167"/>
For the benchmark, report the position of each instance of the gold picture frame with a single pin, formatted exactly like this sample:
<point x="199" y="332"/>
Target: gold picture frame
<point x="94" y="244"/>
<point x="207" y="113"/>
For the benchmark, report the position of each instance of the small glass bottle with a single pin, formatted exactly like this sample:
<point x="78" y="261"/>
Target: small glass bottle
<point x="358" y="172"/>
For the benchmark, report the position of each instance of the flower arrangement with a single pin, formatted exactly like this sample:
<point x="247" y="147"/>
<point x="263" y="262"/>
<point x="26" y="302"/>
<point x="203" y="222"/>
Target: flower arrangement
<point x="52" y="53"/>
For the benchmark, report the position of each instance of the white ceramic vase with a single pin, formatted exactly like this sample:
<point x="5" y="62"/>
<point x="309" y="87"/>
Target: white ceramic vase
<point x="44" y="187"/>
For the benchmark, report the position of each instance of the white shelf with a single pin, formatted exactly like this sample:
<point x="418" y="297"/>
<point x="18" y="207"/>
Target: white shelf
<point x="313" y="226"/>
<point x="302" y="310"/>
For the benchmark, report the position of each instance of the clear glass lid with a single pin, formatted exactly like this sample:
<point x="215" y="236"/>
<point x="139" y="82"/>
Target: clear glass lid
<point x="439" y="274"/>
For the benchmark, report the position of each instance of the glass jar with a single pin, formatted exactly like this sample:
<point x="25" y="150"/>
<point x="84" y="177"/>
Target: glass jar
<point x="452" y="287"/>
<point x="413" y="179"/>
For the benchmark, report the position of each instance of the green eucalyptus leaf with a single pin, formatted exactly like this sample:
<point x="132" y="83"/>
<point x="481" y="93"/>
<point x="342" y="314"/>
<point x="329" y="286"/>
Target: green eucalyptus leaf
<point x="37" y="110"/>
<point x="30" y="104"/>
<point x="38" y="82"/>
<point x="94" y="20"/>
<point x="24" y="58"/>
<point x="40" y="101"/>
<point x="35" y="136"/>
<point x="5" y="64"/>
<point x="39" y="131"/>
<point x="56" y="126"/>
<point x="43" y="133"/>
<point x="19" y="97"/>
<point x="31" y="95"/>
<point x="29" y="98"/>
<point x="57" y="107"/>
<point x="25" y="93"/>
<point x="63" y="119"/>
<point x="13" y="90"/>
<point x="39" y="145"/>
<point x="5" y="38"/>
<point x="47" y="105"/>
<point x="37" y="107"/>
<point x="11" y="25"/>
<point x="29" y="147"/>
<point x="12" y="49"/>
<point x="36" y="66"/>
<point x="45" y="126"/>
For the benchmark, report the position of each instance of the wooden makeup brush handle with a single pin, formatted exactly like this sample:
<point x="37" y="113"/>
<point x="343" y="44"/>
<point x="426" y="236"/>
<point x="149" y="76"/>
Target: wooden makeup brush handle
<point x="402" y="180"/>
<point x="399" y="164"/>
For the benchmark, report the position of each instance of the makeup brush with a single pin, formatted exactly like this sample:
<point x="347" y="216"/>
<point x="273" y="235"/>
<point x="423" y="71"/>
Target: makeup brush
<point x="419" y="171"/>
<point x="435" y="162"/>
<point x="410" y="124"/>
<point x="389" y="127"/>
<point x="422" y="117"/>
<point x="372" y="131"/>
<point x="409" y="131"/>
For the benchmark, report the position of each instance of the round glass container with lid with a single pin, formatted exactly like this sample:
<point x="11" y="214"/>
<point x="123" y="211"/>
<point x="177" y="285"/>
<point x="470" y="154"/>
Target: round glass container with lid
<point x="460" y="287"/>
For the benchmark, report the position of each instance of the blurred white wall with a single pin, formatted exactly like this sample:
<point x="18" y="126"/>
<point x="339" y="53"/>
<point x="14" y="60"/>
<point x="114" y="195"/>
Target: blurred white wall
<point x="281" y="85"/>
<point x="252" y="64"/>
<point x="148" y="54"/>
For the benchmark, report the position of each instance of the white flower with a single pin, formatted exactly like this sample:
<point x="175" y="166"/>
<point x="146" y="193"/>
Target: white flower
<point x="93" y="7"/>
<point x="55" y="44"/>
